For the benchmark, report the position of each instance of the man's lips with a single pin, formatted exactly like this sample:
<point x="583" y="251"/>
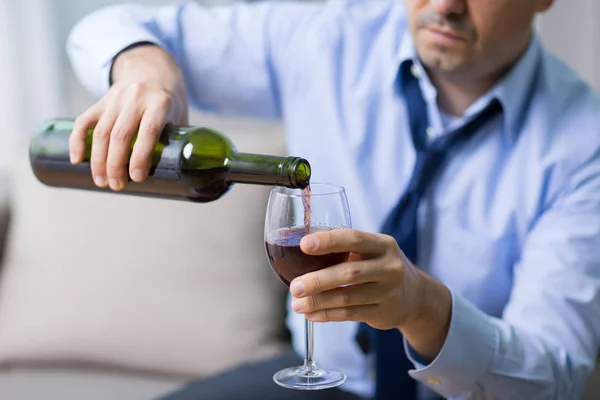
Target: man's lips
<point x="445" y="35"/>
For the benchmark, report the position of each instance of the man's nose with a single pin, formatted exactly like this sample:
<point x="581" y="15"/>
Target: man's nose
<point x="446" y="7"/>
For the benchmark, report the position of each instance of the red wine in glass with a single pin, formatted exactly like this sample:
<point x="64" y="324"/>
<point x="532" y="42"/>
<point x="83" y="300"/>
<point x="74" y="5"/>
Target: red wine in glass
<point x="291" y="215"/>
<point x="289" y="261"/>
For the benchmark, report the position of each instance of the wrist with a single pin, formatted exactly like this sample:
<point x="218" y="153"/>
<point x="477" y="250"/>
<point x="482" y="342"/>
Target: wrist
<point x="151" y="66"/>
<point x="117" y="65"/>
<point x="426" y="332"/>
<point x="145" y="61"/>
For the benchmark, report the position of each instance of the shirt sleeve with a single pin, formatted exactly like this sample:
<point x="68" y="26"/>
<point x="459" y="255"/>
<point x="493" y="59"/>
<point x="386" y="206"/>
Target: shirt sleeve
<point x="546" y="343"/>
<point x="229" y="55"/>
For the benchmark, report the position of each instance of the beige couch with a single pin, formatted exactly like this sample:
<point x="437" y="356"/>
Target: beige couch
<point x="118" y="297"/>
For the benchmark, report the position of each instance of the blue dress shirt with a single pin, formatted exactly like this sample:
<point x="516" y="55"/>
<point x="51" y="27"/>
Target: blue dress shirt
<point x="512" y="224"/>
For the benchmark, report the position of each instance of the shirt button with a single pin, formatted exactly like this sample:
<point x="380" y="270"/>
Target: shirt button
<point x="430" y="132"/>
<point x="432" y="381"/>
<point x="415" y="71"/>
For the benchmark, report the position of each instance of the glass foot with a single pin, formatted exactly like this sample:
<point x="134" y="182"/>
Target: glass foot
<point x="309" y="378"/>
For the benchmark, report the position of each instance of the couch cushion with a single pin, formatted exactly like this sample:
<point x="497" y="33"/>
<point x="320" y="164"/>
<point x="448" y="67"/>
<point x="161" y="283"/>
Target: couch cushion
<point x="137" y="283"/>
<point x="78" y="385"/>
<point x="4" y="210"/>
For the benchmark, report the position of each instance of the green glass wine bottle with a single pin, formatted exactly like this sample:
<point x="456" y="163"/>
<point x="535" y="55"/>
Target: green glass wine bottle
<point x="189" y="163"/>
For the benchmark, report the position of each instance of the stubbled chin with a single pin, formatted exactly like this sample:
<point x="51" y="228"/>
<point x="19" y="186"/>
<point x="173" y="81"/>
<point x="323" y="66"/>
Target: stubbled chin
<point x="439" y="57"/>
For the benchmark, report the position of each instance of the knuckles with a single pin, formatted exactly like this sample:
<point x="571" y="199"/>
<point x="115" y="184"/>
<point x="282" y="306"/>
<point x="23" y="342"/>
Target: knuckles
<point x="135" y="90"/>
<point x="350" y="272"/>
<point x="344" y="313"/>
<point x="140" y="91"/>
<point x="394" y="266"/>
<point x="336" y="314"/>
<point x="356" y="237"/>
<point x="345" y="298"/>
<point x="114" y="169"/>
<point x="163" y="98"/>
<point x="389" y="241"/>
<point x="98" y="166"/>
<point x="152" y="130"/>
<point x="341" y="239"/>
<point x="313" y="303"/>
<point x="316" y="283"/>
<point x="122" y="135"/>
<point x="140" y="160"/>
<point x="81" y="122"/>
<point x="101" y="133"/>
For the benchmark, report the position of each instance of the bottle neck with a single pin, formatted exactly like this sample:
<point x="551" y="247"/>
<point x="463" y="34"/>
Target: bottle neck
<point x="292" y="172"/>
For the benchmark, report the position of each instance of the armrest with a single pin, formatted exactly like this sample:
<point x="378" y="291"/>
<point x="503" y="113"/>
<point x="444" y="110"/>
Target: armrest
<point x="4" y="212"/>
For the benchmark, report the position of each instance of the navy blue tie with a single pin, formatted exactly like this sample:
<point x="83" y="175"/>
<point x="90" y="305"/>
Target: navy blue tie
<point x="392" y="365"/>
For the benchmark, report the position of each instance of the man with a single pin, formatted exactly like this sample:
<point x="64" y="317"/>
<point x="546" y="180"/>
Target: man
<point x="447" y="122"/>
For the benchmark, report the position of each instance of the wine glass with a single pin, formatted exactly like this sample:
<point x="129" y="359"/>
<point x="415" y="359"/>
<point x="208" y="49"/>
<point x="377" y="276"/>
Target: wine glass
<point x="291" y="214"/>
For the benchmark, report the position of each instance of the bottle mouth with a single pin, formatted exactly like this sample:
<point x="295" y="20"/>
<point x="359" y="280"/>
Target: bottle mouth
<point x="299" y="173"/>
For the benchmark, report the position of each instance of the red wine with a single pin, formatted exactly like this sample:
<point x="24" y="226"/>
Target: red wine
<point x="306" y="192"/>
<point x="289" y="261"/>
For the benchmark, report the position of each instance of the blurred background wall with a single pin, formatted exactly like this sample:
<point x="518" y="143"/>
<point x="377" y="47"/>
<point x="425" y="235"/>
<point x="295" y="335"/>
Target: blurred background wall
<point x="36" y="80"/>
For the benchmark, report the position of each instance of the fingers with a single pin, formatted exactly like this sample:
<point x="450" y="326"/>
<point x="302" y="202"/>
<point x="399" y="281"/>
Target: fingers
<point x="101" y="139"/>
<point x="365" y="294"/>
<point x="354" y="313"/>
<point x="78" y="137"/>
<point x="121" y="137"/>
<point x="127" y="108"/>
<point x="348" y="273"/>
<point x="153" y="121"/>
<point x="341" y="240"/>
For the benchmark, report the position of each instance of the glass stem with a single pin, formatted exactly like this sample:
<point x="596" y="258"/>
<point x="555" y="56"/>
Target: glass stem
<point x="309" y="361"/>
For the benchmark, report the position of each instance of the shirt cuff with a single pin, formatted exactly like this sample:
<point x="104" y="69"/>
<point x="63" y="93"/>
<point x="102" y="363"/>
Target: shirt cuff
<point x="95" y="65"/>
<point x="469" y="349"/>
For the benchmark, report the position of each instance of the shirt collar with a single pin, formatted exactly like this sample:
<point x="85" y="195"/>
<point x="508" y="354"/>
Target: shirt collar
<point x="514" y="90"/>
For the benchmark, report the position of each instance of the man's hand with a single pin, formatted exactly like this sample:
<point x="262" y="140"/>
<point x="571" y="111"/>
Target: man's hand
<point x="377" y="285"/>
<point x="147" y="92"/>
